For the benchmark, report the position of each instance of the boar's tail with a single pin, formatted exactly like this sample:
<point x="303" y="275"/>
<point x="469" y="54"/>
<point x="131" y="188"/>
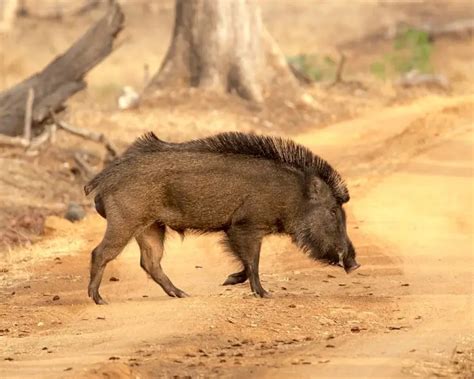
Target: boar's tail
<point x="99" y="206"/>
<point x="149" y="142"/>
<point x="92" y="185"/>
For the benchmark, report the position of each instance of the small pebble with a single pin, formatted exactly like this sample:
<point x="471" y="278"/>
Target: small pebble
<point x="56" y="298"/>
<point x="114" y="279"/>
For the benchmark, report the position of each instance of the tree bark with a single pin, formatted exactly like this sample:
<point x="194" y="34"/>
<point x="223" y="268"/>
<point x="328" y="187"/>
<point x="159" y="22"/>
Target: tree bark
<point x="62" y="78"/>
<point x="222" y="45"/>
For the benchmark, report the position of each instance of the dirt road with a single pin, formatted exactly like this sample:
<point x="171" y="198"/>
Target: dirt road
<point x="407" y="312"/>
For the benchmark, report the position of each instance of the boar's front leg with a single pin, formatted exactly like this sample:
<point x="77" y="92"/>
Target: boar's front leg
<point x="245" y="243"/>
<point x="151" y="242"/>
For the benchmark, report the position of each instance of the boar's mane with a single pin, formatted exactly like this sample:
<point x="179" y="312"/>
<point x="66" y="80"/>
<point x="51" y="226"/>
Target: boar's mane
<point x="280" y="150"/>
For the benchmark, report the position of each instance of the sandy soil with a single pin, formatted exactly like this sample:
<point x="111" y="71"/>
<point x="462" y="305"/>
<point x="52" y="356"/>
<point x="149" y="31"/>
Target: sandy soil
<point x="407" y="312"/>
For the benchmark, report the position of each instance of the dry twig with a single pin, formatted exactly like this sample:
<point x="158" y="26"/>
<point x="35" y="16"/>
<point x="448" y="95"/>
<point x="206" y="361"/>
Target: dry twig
<point x="86" y="134"/>
<point x="340" y="68"/>
<point x="29" y="114"/>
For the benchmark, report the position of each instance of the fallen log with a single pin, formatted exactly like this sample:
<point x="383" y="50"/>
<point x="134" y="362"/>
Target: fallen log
<point x="60" y="79"/>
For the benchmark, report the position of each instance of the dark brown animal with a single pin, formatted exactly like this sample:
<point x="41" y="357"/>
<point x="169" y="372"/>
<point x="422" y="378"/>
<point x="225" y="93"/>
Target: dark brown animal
<point x="244" y="185"/>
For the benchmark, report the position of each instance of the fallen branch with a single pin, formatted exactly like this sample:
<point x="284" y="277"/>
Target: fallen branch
<point x="29" y="114"/>
<point x="13" y="141"/>
<point x="62" y="78"/>
<point x="37" y="142"/>
<point x="86" y="134"/>
<point x="456" y="28"/>
<point x="30" y="144"/>
<point x="415" y="78"/>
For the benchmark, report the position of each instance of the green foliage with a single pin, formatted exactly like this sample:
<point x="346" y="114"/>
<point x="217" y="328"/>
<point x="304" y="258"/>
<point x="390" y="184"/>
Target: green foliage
<point x="412" y="50"/>
<point x="314" y="67"/>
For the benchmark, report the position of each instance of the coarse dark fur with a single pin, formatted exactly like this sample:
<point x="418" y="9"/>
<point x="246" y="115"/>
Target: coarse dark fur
<point x="245" y="185"/>
<point x="276" y="149"/>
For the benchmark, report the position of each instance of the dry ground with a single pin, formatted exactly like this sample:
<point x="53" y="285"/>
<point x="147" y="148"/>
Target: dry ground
<point x="407" y="156"/>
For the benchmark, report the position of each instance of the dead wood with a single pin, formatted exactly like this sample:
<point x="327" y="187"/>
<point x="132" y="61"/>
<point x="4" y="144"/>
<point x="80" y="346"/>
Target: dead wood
<point x="86" y="134"/>
<point x="339" y="70"/>
<point x="456" y="29"/>
<point x="30" y="144"/>
<point x="28" y="114"/>
<point x="414" y="78"/>
<point x="62" y="78"/>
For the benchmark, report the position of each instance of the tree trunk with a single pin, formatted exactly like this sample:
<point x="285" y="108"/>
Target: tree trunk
<point x="62" y="78"/>
<point x="222" y="45"/>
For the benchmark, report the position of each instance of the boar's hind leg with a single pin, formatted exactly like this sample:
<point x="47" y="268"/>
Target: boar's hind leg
<point x="245" y="243"/>
<point x="236" y="278"/>
<point x="115" y="239"/>
<point x="151" y="250"/>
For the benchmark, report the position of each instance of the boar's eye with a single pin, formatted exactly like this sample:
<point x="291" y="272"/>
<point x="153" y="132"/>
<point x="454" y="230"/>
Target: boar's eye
<point x="333" y="212"/>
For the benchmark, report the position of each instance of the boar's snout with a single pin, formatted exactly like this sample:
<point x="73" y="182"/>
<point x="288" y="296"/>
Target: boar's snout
<point x="350" y="264"/>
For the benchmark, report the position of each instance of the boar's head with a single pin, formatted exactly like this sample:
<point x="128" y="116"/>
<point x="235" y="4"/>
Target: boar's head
<point x="321" y="228"/>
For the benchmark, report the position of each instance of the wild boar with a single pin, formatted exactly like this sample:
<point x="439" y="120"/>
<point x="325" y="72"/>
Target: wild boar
<point x="243" y="185"/>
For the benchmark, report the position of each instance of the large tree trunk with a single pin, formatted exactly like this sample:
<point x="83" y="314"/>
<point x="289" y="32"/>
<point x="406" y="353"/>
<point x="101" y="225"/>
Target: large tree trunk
<point x="222" y="45"/>
<point x="62" y="78"/>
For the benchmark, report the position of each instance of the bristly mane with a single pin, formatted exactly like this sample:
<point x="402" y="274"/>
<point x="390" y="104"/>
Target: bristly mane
<point x="273" y="148"/>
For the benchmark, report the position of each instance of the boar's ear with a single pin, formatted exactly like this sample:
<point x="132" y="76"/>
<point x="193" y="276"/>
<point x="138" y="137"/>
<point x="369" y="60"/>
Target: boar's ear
<point x="315" y="188"/>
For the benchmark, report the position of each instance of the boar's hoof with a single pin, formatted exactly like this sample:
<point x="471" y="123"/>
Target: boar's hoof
<point x="176" y="292"/>
<point x="98" y="299"/>
<point x="94" y="294"/>
<point x="263" y="294"/>
<point x="236" y="278"/>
